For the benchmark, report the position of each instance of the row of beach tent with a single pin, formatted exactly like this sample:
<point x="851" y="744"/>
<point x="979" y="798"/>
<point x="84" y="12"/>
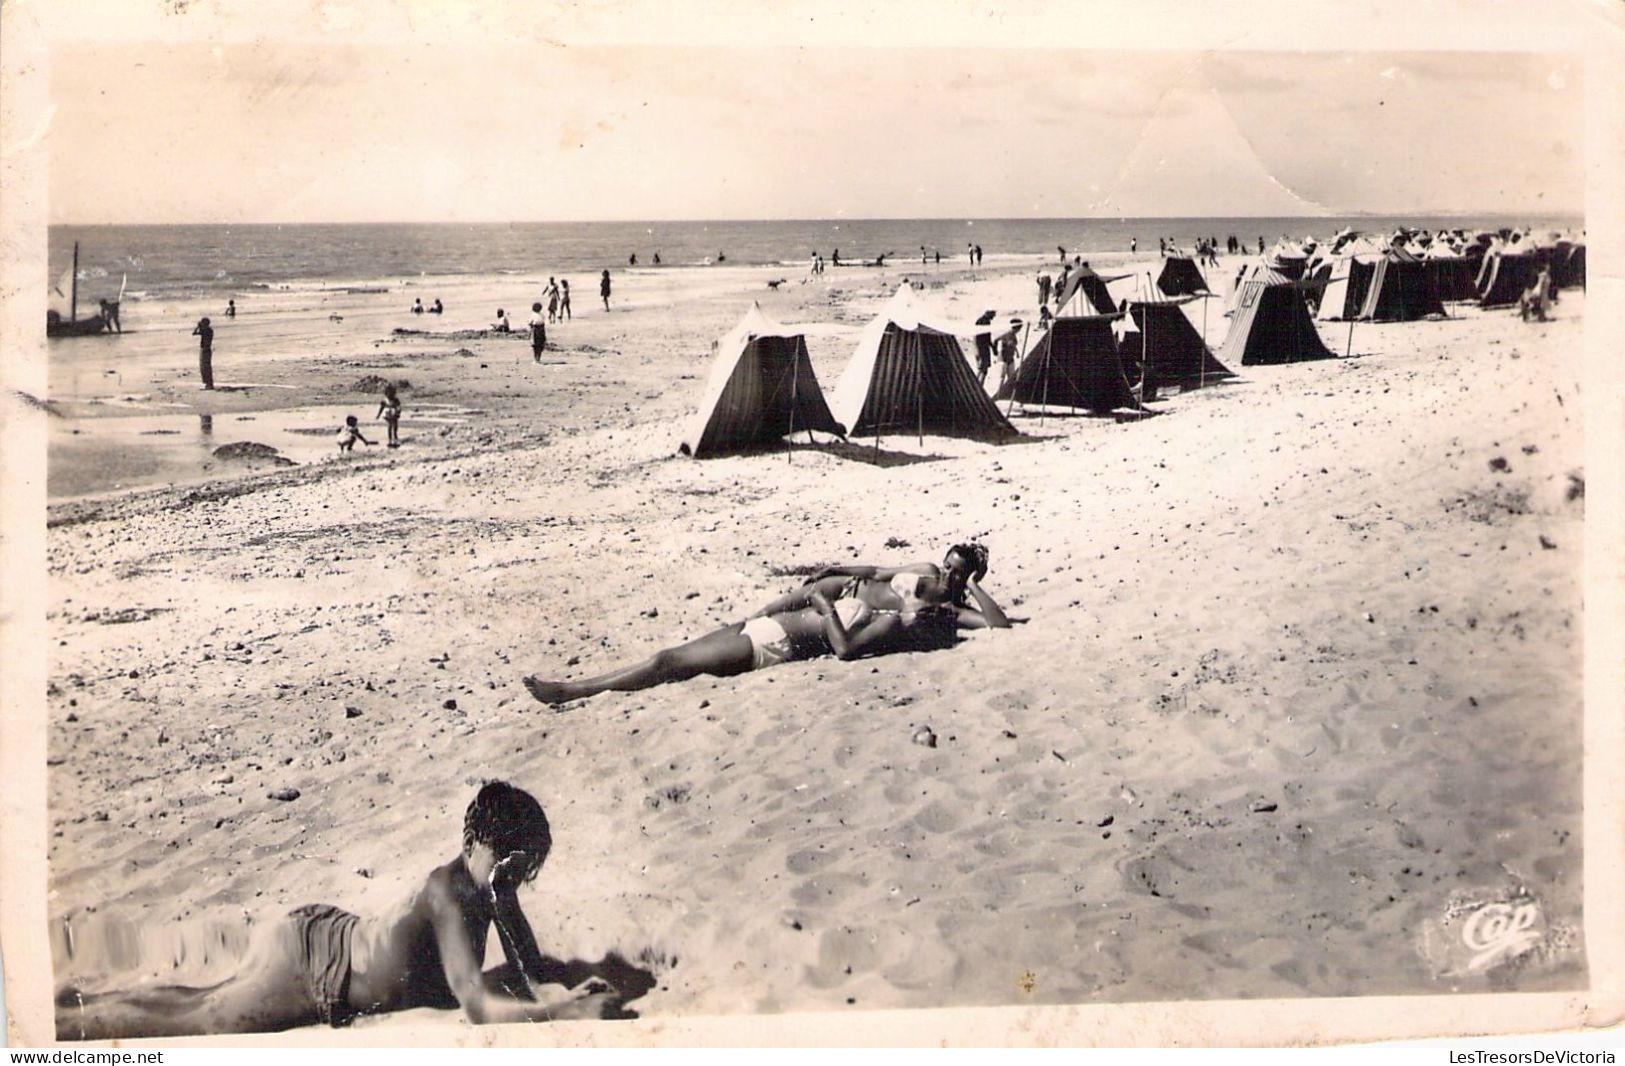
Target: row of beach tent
<point x="908" y="374"/>
<point x="1401" y="279"/>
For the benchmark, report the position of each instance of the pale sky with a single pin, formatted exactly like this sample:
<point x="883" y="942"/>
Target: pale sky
<point x="193" y="132"/>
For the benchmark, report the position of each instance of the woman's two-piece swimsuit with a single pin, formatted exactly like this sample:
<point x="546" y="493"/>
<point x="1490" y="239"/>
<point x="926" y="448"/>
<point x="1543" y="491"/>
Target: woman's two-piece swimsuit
<point x="771" y="645"/>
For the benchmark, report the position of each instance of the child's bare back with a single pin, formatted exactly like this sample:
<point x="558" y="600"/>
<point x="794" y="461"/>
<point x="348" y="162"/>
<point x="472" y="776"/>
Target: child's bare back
<point x="322" y="964"/>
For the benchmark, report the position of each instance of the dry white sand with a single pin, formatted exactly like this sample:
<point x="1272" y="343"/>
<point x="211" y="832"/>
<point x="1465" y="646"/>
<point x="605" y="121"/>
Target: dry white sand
<point x="1302" y="663"/>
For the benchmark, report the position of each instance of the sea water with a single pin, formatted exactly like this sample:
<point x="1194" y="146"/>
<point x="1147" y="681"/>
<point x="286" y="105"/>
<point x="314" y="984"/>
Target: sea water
<point x="170" y="262"/>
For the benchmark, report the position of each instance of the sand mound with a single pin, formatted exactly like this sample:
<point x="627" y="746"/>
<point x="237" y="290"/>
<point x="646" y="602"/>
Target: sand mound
<point x="252" y="451"/>
<point x="375" y="383"/>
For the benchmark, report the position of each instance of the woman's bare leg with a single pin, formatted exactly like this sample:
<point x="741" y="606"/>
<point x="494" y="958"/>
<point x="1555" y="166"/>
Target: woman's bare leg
<point x="722" y="654"/>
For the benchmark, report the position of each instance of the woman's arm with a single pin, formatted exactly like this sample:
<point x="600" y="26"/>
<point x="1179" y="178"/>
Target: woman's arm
<point x="802" y="598"/>
<point x="851" y="643"/>
<point x="987" y="614"/>
<point x="874" y="573"/>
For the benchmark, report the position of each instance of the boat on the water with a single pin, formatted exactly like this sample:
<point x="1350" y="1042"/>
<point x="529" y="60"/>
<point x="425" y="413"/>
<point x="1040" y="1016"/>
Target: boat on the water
<point x="73" y="325"/>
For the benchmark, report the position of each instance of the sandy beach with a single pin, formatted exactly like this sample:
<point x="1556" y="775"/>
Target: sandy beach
<point x="1299" y="676"/>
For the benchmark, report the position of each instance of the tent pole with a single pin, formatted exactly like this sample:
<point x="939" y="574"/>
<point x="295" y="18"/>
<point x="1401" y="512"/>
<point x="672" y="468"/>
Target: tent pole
<point x="919" y="400"/>
<point x="1350" y="349"/>
<point x="1145" y="354"/>
<point x="73" y="288"/>
<point x="1202" y="373"/>
<point x="789" y="444"/>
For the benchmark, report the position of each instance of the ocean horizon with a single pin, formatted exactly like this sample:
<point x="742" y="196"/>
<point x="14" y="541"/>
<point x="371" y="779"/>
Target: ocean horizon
<point x="187" y="259"/>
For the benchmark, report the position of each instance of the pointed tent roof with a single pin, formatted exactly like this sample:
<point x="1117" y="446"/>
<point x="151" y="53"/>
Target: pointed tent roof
<point x="761" y="388"/>
<point x="1271" y="323"/>
<point x="1168" y="339"/>
<point x="1180" y="277"/>
<point x="1096" y="296"/>
<point x="908" y="374"/>
<point x="1074" y="363"/>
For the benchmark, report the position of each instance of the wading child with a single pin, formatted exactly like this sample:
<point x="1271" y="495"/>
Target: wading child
<point x="322" y="964"/>
<point x="389" y="409"/>
<point x="349" y="433"/>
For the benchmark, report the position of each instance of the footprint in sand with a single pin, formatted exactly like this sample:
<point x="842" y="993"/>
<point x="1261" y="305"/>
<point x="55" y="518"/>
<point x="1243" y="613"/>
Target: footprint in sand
<point x="939" y="817"/>
<point x="1156" y="874"/>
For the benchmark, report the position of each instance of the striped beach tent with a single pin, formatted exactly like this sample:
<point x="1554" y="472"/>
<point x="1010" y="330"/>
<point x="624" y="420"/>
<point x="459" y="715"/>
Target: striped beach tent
<point x="1165" y="337"/>
<point x="908" y="375"/>
<point x="1074" y="363"/>
<point x="1401" y="289"/>
<point x="1181" y="277"/>
<point x="761" y="389"/>
<point x="1089" y="290"/>
<point x="1271" y="323"/>
<point x="1452" y="272"/>
<point x="1505" y="276"/>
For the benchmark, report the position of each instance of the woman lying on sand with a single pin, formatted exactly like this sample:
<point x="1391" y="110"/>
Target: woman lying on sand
<point x="845" y="612"/>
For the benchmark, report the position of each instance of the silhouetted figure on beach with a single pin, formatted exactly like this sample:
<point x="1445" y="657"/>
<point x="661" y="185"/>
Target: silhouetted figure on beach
<point x="632" y="260"/>
<point x="417" y="306"/>
<point x="437" y="308"/>
<point x="231" y="308"/>
<point x="109" y="310"/>
<point x="984" y="347"/>
<point x="538" y="331"/>
<point x="603" y="289"/>
<point x="389" y="409"/>
<point x="205" y="352"/>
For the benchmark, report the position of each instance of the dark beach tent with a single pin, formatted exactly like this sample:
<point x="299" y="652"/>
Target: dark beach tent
<point x="908" y="375"/>
<point x="761" y="389"/>
<point x="1165" y="337"/>
<point x="1505" y="277"/>
<point x="1452" y="272"/>
<point x="1574" y="267"/>
<point x="1072" y="364"/>
<point x="1401" y="289"/>
<point x="1181" y="277"/>
<point x="1092" y="288"/>
<point x="1271" y="323"/>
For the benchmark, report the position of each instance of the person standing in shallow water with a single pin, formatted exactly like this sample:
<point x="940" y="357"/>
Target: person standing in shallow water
<point x="205" y="352"/>
<point x="603" y="289"/>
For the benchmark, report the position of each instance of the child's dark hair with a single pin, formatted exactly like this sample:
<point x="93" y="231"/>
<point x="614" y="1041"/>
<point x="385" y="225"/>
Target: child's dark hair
<point x="508" y="819"/>
<point x="349" y="420"/>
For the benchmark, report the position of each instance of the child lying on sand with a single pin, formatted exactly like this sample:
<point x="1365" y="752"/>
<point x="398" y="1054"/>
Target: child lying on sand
<point x="322" y="964"/>
<point x="846" y="613"/>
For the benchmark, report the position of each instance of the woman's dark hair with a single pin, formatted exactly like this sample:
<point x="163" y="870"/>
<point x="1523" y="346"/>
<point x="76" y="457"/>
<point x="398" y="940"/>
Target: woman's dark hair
<point x="975" y="556"/>
<point x="507" y="820"/>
